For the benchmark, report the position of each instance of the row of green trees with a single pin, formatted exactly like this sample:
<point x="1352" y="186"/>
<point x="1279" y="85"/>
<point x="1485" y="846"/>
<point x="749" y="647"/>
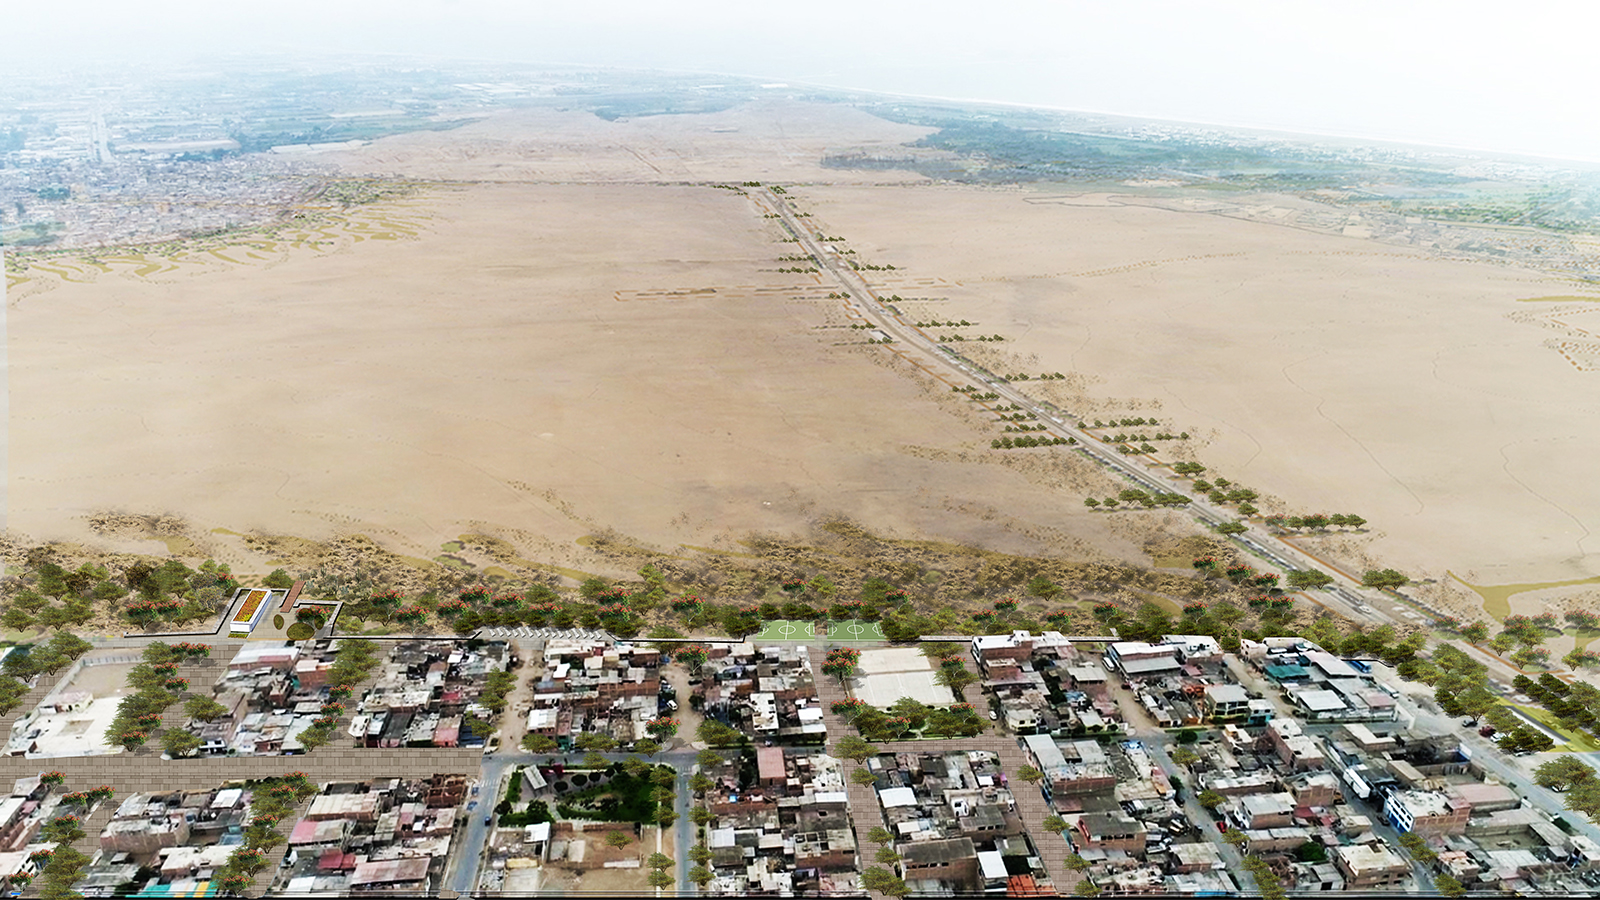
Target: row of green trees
<point x="51" y="596"/>
<point x="156" y="685"/>
<point x="271" y="802"/>
<point x="1567" y="773"/>
<point x="63" y="863"/>
<point x="1008" y="442"/>
<point x="907" y="719"/>
<point x="353" y="663"/>
<point x="1315" y="522"/>
<point x="1124" y="422"/>
<point x="1520" y="637"/>
<point x="1131" y="496"/>
<point x="1575" y="705"/>
<point x="1145" y="439"/>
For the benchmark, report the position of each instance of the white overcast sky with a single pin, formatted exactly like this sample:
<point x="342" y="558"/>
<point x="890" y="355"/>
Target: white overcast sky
<point x="1507" y="76"/>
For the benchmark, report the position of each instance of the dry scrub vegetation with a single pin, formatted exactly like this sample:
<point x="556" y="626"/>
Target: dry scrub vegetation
<point x="947" y="587"/>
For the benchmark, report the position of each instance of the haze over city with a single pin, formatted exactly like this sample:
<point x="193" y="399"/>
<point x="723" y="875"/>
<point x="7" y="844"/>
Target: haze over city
<point x="1470" y="75"/>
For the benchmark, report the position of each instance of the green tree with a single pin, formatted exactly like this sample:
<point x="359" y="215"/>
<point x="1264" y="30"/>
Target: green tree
<point x="315" y="737"/>
<point x="1076" y="863"/>
<point x="1447" y="885"/>
<point x="1308" y="579"/>
<point x="1086" y="888"/>
<point x="595" y="740"/>
<point x="278" y="579"/>
<point x="659" y="860"/>
<point x="1383" y="578"/>
<point x="618" y="838"/>
<point x="1311" y="852"/>
<point x="713" y="732"/>
<point x="883" y="881"/>
<point x="862" y="776"/>
<point x="203" y="708"/>
<point x="1055" y="824"/>
<point x="69" y="645"/>
<point x="701" y="876"/>
<point x="11" y="693"/>
<point x="538" y="743"/>
<point x="17" y="619"/>
<point x="62" y="830"/>
<point x="1415" y="845"/>
<point x="179" y="743"/>
<point x="1030" y="774"/>
<point x="852" y="747"/>
<point x="879" y="835"/>
<point x="741" y="623"/>
<point x="1562" y="772"/>
<point x="1040" y="586"/>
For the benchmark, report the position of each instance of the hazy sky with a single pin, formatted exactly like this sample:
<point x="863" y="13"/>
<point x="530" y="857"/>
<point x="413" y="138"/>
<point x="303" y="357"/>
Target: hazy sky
<point x="1514" y="77"/>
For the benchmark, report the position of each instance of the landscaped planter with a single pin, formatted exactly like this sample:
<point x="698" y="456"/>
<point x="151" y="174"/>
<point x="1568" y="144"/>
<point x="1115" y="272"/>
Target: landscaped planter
<point x="250" y="611"/>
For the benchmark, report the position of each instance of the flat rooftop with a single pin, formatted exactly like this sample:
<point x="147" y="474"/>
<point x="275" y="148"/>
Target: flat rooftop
<point x="81" y="732"/>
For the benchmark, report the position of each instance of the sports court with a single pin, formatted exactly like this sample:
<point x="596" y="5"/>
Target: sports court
<point x="785" y="630"/>
<point x="855" y="630"/>
<point x="802" y="630"/>
<point x="889" y="673"/>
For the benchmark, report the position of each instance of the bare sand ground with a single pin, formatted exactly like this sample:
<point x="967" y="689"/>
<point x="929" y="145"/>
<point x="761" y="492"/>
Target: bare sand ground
<point x="1335" y="374"/>
<point x="540" y="363"/>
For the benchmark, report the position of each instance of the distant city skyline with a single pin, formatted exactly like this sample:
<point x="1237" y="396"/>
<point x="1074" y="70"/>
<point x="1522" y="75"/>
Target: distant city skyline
<point x="1459" y="75"/>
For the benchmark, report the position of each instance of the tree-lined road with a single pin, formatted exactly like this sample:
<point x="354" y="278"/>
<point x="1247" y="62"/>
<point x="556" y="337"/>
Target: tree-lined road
<point x="1365" y="605"/>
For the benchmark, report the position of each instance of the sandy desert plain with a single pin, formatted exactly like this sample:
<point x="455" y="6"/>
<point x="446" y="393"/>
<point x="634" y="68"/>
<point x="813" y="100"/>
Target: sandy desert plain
<point x="568" y="328"/>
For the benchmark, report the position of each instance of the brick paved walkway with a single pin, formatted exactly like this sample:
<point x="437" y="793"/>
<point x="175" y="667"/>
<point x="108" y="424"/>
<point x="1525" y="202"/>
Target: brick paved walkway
<point x="865" y="814"/>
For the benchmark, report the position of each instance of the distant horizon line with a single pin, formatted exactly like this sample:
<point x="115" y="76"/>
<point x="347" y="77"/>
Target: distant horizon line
<point x="1281" y="129"/>
<point x="302" y="53"/>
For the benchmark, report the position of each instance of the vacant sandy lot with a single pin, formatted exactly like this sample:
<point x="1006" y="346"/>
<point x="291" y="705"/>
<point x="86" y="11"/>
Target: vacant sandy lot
<point x="541" y="362"/>
<point x="1338" y="375"/>
<point x="580" y="341"/>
